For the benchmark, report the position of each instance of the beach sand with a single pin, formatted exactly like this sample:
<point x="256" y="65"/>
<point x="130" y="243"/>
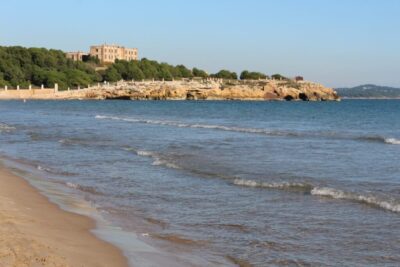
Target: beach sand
<point x="35" y="232"/>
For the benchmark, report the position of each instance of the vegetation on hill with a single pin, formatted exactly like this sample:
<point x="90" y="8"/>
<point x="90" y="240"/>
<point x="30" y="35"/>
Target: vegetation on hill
<point x="148" y="69"/>
<point x="37" y="66"/>
<point x="246" y="75"/>
<point x="369" y="91"/>
<point x="225" y="74"/>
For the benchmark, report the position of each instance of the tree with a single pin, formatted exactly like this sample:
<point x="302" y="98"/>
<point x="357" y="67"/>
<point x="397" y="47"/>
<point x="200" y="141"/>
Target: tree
<point x="225" y="74"/>
<point x="134" y="72"/>
<point x="278" y="77"/>
<point x="164" y="72"/>
<point x="149" y="68"/>
<point x="52" y="77"/>
<point x="112" y="75"/>
<point x="199" y="73"/>
<point x="246" y="75"/>
<point x="37" y="66"/>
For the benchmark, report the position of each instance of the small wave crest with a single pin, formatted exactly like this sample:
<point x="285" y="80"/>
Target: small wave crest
<point x="6" y="128"/>
<point x="158" y="160"/>
<point x="282" y="185"/>
<point x="40" y="168"/>
<point x="379" y="139"/>
<point x="370" y="200"/>
<point x="87" y="189"/>
<point x="392" y="141"/>
<point x="389" y="205"/>
<point x="52" y="171"/>
<point x="188" y="125"/>
<point x="259" y="131"/>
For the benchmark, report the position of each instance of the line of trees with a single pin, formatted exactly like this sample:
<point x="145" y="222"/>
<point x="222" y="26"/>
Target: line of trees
<point x="37" y="66"/>
<point x="150" y="69"/>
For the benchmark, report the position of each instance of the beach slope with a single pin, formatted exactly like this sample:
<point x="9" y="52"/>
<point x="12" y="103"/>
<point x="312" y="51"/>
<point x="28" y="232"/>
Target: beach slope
<point x="36" y="232"/>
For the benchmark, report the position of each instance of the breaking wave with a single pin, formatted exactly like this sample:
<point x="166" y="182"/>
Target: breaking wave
<point x="188" y="125"/>
<point x="330" y="135"/>
<point x="55" y="172"/>
<point x="392" y="141"/>
<point x="6" y="128"/>
<point x="379" y="139"/>
<point x="389" y="205"/>
<point x="158" y="160"/>
<point x="370" y="200"/>
<point x="283" y="185"/>
<point x="87" y="189"/>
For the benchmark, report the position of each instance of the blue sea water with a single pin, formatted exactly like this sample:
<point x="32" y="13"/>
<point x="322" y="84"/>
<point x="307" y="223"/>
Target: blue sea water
<point x="223" y="183"/>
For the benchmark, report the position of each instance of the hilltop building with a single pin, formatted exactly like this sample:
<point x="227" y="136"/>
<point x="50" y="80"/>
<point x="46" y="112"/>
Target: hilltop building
<point x="107" y="54"/>
<point x="76" y="56"/>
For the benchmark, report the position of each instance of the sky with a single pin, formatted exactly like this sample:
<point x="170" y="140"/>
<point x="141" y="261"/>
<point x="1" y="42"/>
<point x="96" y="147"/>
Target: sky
<point x="338" y="43"/>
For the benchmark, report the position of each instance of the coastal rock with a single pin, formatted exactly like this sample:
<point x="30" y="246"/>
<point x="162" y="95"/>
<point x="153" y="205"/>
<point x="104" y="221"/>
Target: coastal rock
<point x="195" y="89"/>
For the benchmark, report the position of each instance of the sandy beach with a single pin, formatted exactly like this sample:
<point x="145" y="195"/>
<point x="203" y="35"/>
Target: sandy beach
<point x="36" y="232"/>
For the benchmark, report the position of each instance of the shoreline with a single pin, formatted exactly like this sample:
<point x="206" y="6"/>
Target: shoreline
<point x="37" y="232"/>
<point x="206" y="89"/>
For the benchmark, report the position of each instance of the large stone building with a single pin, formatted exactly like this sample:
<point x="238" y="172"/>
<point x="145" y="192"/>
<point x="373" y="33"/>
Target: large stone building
<point x="106" y="53"/>
<point x="76" y="56"/>
<point x="109" y="53"/>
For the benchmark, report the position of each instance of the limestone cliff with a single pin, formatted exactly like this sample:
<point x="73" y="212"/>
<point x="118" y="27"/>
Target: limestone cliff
<point x="213" y="90"/>
<point x="196" y="89"/>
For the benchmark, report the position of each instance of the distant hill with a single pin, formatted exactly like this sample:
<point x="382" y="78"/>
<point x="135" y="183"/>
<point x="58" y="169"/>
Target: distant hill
<point x="369" y="91"/>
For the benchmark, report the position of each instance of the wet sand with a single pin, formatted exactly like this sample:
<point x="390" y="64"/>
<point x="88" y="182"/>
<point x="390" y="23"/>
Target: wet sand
<point x="35" y="232"/>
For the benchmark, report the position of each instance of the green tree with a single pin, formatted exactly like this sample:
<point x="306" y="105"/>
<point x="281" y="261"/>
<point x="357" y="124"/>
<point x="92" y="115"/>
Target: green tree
<point x="185" y="72"/>
<point x="149" y="68"/>
<point x="164" y="72"/>
<point x="134" y="72"/>
<point x="23" y="66"/>
<point x="246" y="75"/>
<point x="225" y="74"/>
<point x="112" y="75"/>
<point x="278" y="77"/>
<point x="199" y="73"/>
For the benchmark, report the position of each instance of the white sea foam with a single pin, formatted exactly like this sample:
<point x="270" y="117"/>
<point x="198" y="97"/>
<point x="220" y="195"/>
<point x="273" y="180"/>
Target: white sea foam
<point x="389" y="205"/>
<point x="157" y="159"/>
<point x="6" y="128"/>
<point x="281" y="185"/>
<point x="392" y="141"/>
<point x="41" y="168"/>
<point x="371" y="200"/>
<point x="145" y="153"/>
<point x="160" y="162"/>
<point x="187" y="125"/>
<point x="72" y="185"/>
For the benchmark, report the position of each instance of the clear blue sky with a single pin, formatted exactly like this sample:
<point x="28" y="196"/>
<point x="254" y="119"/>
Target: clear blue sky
<point x="335" y="42"/>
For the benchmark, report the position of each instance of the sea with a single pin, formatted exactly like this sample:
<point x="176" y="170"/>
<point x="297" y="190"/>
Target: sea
<point x="219" y="183"/>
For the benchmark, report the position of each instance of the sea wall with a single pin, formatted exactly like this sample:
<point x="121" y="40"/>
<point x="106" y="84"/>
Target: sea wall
<point x="27" y="93"/>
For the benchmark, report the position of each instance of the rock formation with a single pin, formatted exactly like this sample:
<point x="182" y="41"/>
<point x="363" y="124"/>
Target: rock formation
<point x="194" y="89"/>
<point x="211" y="90"/>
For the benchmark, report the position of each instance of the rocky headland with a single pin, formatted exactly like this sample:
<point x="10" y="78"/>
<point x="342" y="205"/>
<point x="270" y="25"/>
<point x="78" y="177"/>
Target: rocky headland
<point x="211" y="89"/>
<point x="193" y="89"/>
